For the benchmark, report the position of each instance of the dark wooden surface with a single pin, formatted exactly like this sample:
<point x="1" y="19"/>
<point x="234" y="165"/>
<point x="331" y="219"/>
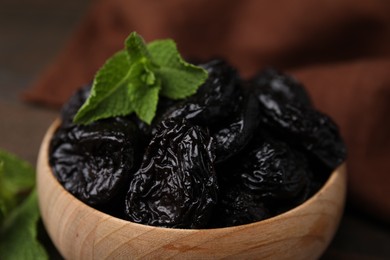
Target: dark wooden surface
<point x="31" y="34"/>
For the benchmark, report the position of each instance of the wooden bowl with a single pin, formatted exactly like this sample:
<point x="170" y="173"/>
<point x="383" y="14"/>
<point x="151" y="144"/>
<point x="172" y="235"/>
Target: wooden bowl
<point x="81" y="232"/>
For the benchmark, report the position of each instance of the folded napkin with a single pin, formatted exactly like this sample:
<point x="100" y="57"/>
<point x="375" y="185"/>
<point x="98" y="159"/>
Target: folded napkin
<point x="339" y="49"/>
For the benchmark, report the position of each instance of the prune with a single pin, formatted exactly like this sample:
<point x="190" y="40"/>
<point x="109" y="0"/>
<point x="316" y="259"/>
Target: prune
<point x="94" y="162"/>
<point x="214" y="100"/>
<point x="70" y="108"/>
<point x="273" y="171"/>
<point x="231" y="139"/>
<point x="283" y="87"/>
<point x="74" y="103"/>
<point x="219" y="91"/>
<point x="266" y="179"/>
<point x="149" y="130"/>
<point x="304" y="127"/>
<point x="238" y="207"/>
<point x="176" y="185"/>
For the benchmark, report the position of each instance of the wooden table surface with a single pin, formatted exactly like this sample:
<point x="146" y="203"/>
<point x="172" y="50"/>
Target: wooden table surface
<point x="31" y="34"/>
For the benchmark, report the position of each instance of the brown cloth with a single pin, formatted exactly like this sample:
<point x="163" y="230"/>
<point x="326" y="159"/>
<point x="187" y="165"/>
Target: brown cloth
<point x="339" y="49"/>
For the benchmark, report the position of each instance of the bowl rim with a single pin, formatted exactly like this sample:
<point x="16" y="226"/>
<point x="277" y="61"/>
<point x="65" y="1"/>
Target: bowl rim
<point x="44" y="154"/>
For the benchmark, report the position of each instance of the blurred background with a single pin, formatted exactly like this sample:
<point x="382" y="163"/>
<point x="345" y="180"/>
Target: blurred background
<point x="34" y="32"/>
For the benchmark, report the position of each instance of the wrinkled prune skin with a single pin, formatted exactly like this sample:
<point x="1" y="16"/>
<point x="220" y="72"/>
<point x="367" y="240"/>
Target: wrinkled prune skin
<point x="213" y="106"/>
<point x="176" y="185"/>
<point x="238" y="207"/>
<point x="214" y="100"/>
<point x="304" y="127"/>
<point x="286" y="109"/>
<point x="266" y="179"/>
<point x="231" y="139"/>
<point x="283" y="87"/>
<point x="272" y="171"/>
<point x="95" y="162"/>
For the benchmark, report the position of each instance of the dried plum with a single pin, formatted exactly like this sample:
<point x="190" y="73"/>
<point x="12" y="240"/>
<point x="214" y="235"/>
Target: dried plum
<point x="214" y="100"/>
<point x="265" y="180"/>
<point x="94" y="162"/>
<point x="231" y="139"/>
<point x="273" y="171"/>
<point x="176" y="185"/>
<point x="304" y="127"/>
<point x="283" y="87"/>
<point x="71" y="107"/>
<point x="238" y="207"/>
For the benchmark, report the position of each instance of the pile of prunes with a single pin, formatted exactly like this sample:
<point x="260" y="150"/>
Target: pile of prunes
<point x="236" y="152"/>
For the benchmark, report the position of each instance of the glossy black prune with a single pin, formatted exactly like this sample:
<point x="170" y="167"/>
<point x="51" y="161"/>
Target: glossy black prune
<point x="266" y="179"/>
<point x="304" y="127"/>
<point x="70" y="108"/>
<point x="272" y="171"/>
<point x="94" y="162"/>
<point x="231" y="139"/>
<point x="238" y="207"/>
<point x="149" y="130"/>
<point x="176" y="185"/>
<point x="214" y="100"/>
<point x="282" y="86"/>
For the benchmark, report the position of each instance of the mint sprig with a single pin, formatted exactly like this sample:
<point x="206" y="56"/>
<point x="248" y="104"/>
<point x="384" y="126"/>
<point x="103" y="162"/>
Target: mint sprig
<point x="19" y="211"/>
<point x="134" y="78"/>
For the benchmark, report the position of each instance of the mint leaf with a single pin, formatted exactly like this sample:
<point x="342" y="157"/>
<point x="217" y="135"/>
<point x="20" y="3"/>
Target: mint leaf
<point x="19" y="212"/>
<point x="109" y="94"/>
<point x="179" y="79"/>
<point x="18" y="234"/>
<point x="133" y="79"/>
<point x="3" y="205"/>
<point x="17" y="178"/>
<point x="136" y="49"/>
<point x="144" y="92"/>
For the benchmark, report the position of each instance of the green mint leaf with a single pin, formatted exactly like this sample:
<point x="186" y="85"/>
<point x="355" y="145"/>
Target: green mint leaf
<point x="133" y="79"/>
<point x="18" y="233"/>
<point x="148" y="76"/>
<point x="136" y="49"/>
<point x="17" y="178"/>
<point x="179" y="79"/>
<point x="109" y="94"/>
<point x="144" y="96"/>
<point x="19" y="212"/>
<point x="3" y="197"/>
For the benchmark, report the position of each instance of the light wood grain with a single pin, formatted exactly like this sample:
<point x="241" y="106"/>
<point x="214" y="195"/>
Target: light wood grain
<point x="81" y="232"/>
